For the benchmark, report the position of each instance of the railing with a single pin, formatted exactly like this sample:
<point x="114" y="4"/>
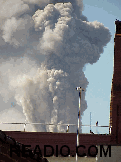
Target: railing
<point x="67" y="130"/>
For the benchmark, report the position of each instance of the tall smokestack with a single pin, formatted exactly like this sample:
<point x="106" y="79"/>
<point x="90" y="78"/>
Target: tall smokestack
<point x="44" y="47"/>
<point x="115" y="105"/>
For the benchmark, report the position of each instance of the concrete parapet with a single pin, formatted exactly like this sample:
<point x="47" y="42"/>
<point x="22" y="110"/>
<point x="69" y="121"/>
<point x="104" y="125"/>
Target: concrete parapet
<point x="115" y="154"/>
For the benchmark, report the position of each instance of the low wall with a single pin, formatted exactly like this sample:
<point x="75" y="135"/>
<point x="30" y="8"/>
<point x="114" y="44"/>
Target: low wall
<point x="59" y="139"/>
<point x="115" y="154"/>
<point x="70" y="159"/>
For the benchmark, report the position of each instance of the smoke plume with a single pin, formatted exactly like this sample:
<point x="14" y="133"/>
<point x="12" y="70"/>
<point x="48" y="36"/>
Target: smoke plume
<point x="44" y="45"/>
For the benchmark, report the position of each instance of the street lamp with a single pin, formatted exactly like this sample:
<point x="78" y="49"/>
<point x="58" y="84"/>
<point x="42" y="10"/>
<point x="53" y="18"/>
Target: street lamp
<point x="78" y="89"/>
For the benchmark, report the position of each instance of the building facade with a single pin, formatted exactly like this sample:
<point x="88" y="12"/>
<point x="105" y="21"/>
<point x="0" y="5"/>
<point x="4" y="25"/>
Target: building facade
<point x="115" y="104"/>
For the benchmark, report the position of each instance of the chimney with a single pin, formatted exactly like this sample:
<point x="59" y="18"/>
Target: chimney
<point x="115" y="103"/>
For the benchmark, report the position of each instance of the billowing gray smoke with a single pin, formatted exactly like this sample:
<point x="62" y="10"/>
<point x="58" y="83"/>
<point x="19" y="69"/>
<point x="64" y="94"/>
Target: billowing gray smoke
<point x="44" y="45"/>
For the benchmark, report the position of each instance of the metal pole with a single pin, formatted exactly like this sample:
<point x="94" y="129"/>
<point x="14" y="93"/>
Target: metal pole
<point x="79" y="115"/>
<point x="80" y="89"/>
<point x="24" y="125"/>
<point x="109" y="128"/>
<point x="90" y="122"/>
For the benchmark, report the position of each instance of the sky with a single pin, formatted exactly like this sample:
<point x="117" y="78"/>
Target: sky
<point x="15" y="107"/>
<point x="100" y="74"/>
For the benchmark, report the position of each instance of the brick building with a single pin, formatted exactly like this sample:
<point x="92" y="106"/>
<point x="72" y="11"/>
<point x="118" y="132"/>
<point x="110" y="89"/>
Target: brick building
<point x="115" y="106"/>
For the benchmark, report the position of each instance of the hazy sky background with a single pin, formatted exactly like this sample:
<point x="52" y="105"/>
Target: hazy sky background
<point x="99" y="75"/>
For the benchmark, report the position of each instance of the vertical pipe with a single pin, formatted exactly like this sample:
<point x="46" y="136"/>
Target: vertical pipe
<point x="78" y="122"/>
<point x="79" y="115"/>
<point x="24" y="125"/>
<point x="90" y="122"/>
<point x="109" y="128"/>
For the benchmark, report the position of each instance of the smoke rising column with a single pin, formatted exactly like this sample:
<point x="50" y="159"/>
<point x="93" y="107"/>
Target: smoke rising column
<point x="57" y="42"/>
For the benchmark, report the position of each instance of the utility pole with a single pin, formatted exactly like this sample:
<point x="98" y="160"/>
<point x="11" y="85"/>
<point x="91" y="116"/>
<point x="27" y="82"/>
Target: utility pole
<point x="78" y="89"/>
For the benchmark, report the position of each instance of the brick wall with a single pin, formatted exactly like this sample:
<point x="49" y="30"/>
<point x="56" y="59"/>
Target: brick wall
<point x="115" y="108"/>
<point x="60" y="139"/>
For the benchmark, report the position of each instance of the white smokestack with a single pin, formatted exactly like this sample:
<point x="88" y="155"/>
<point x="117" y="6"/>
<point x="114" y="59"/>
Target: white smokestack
<point x="42" y="55"/>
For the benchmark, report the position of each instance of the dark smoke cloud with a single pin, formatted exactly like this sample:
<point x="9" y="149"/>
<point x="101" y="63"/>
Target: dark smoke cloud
<point x="44" y="45"/>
